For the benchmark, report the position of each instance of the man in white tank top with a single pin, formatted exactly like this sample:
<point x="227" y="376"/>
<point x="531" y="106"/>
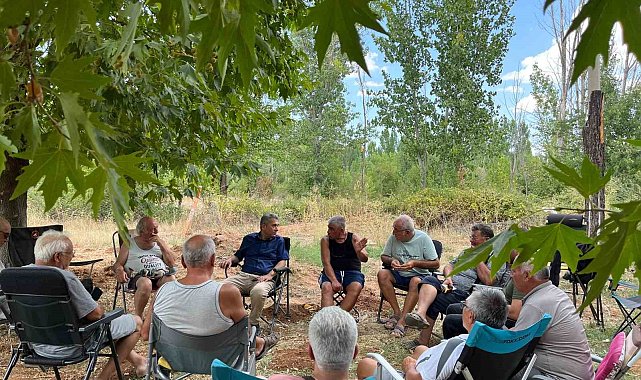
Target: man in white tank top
<point x="213" y="307"/>
<point x="146" y="264"/>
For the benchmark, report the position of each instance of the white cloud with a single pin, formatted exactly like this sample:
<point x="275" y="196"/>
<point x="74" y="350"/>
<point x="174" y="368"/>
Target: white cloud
<point x="371" y="83"/>
<point x="372" y="66"/>
<point x="510" y="89"/>
<point x="526" y="104"/>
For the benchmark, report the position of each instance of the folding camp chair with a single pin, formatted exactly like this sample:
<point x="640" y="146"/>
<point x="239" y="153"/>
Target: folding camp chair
<point x="117" y="241"/>
<point x="221" y="371"/>
<point x="621" y="356"/>
<point x="489" y="353"/>
<point x="281" y="284"/>
<point x="192" y="354"/>
<point x="42" y="313"/>
<point x="402" y="290"/>
<point x="630" y="306"/>
<point x="22" y="241"/>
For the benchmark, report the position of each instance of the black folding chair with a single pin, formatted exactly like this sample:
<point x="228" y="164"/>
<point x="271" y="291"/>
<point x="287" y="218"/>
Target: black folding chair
<point x="120" y="288"/>
<point x="22" y="241"/>
<point x="402" y="290"/>
<point x="191" y="354"/>
<point x="41" y="312"/>
<point x="281" y="284"/>
<point x="630" y="306"/>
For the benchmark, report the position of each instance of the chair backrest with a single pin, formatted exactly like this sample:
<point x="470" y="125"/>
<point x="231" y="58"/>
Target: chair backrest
<point x="117" y="240"/>
<point x="221" y="371"/>
<point x="439" y="247"/>
<point x="194" y="354"/>
<point x="21" y="243"/>
<point x="495" y="354"/>
<point x="40" y="305"/>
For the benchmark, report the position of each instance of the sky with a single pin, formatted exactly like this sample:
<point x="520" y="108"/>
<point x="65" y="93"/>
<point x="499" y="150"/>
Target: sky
<point x="530" y="44"/>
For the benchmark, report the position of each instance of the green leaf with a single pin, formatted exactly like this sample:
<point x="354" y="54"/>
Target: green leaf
<point x="74" y="116"/>
<point x="96" y="181"/>
<point x="341" y="17"/>
<point x="70" y="76"/>
<point x="7" y="80"/>
<point x="129" y="165"/>
<point x="595" y="39"/>
<point x="14" y="12"/>
<point x="121" y="55"/>
<point x="588" y="182"/>
<point x="5" y="146"/>
<point x="539" y="244"/>
<point x="172" y="11"/>
<point x="53" y="167"/>
<point x="496" y="249"/>
<point x="633" y="142"/>
<point x="26" y="124"/>
<point x="66" y="19"/>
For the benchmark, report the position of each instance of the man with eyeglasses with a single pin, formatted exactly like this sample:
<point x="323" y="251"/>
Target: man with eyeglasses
<point x="55" y="249"/>
<point x="436" y="296"/>
<point x="408" y="256"/>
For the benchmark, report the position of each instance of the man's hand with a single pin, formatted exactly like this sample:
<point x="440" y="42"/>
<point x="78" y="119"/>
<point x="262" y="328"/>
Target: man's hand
<point x="121" y="275"/>
<point x="448" y="282"/>
<point x="409" y="363"/>
<point x="227" y="263"/>
<point x="336" y="286"/>
<point x="396" y="265"/>
<point x="407" y="266"/>
<point x="360" y="245"/>
<point x="265" y="277"/>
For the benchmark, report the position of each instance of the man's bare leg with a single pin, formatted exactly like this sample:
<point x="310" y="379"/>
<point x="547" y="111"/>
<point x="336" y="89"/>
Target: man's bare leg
<point x="141" y="296"/>
<point x="386" y="283"/>
<point x="351" y="296"/>
<point x="124" y="349"/>
<point x="327" y="294"/>
<point x="426" y="333"/>
<point x="410" y="299"/>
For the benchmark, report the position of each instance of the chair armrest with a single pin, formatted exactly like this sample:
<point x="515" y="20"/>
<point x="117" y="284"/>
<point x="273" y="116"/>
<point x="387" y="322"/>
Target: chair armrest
<point x="393" y="373"/>
<point x="84" y="262"/>
<point x="107" y="318"/>
<point x="596" y="358"/>
<point x="280" y="271"/>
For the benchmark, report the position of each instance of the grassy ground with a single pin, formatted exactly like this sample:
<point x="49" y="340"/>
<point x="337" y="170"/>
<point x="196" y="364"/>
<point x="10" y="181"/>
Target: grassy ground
<point x="93" y="239"/>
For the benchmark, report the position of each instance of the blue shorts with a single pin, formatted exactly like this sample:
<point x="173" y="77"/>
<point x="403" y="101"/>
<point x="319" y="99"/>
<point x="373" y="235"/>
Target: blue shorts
<point x="405" y="281"/>
<point x="345" y="277"/>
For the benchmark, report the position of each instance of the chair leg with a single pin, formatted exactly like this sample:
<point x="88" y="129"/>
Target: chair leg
<point x="380" y="310"/>
<point x="12" y="363"/>
<point x="90" y="366"/>
<point x="57" y="372"/>
<point x="116" y="295"/>
<point x="287" y="314"/>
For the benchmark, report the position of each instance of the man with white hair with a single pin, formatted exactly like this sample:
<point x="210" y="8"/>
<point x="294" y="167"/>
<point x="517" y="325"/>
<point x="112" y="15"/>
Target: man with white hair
<point x="333" y="337"/>
<point x="341" y="253"/>
<point x="145" y="264"/>
<point x="55" y="249"/>
<point x="485" y="305"/>
<point x="563" y="351"/>
<point x="212" y="307"/>
<point x="408" y="257"/>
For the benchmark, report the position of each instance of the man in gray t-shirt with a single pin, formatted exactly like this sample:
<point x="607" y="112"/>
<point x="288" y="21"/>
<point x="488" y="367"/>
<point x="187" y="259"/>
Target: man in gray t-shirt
<point x="55" y="249"/>
<point x="408" y="256"/>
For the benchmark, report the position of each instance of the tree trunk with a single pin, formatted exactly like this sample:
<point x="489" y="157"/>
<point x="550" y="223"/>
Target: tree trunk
<point x="15" y="211"/>
<point x="223" y="184"/>
<point x="594" y="147"/>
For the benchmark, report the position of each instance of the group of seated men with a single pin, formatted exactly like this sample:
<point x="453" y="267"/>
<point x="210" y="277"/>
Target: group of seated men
<point x="408" y="257"/>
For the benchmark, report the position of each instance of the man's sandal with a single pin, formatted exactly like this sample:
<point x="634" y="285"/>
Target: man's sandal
<point x="416" y="321"/>
<point x="391" y="322"/>
<point x="398" y="332"/>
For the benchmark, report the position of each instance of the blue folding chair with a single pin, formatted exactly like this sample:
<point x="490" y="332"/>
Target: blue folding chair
<point x="493" y="354"/>
<point x="221" y="371"/>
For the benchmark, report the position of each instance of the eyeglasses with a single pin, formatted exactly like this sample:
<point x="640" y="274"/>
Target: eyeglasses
<point x="394" y="229"/>
<point x="72" y="253"/>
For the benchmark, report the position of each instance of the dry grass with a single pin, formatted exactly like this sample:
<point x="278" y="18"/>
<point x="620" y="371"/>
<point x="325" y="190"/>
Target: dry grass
<point x="93" y="239"/>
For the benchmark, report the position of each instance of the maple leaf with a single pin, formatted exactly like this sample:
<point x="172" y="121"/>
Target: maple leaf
<point x="53" y="167"/>
<point x="587" y="182"/>
<point x="70" y="76"/>
<point x="341" y="17"/>
<point x="595" y="39"/>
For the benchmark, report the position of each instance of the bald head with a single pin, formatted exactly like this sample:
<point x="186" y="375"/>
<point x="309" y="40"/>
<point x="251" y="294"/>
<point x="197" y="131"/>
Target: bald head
<point x="5" y="230"/>
<point x="199" y="251"/>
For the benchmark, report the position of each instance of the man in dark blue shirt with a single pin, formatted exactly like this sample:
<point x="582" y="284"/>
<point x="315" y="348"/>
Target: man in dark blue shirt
<point x="262" y="253"/>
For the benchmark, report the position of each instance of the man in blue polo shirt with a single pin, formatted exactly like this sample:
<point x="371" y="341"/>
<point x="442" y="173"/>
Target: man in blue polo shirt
<point x="262" y="253"/>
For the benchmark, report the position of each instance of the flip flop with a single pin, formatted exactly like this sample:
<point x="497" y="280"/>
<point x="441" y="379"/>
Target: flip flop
<point x="391" y="322"/>
<point x="416" y="321"/>
<point x="398" y="332"/>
